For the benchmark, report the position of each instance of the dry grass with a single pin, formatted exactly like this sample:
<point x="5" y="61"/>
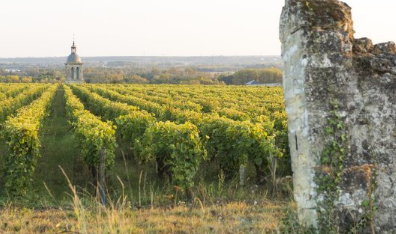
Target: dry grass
<point x="234" y="217"/>
<point x="235" y="210"/>
<point x="255" y="213"/>
<point x="164" y="214"/>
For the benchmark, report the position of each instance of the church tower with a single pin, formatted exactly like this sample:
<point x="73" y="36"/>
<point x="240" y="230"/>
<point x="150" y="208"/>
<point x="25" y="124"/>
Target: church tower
<point x="74" y="67"/>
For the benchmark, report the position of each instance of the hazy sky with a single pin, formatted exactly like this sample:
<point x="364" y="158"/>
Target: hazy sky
<point x="44" y="28"/>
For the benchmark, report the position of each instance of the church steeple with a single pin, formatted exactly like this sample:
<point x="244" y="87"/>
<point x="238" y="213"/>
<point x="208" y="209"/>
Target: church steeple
<point x="73" y="48"/>
<point x="74" y="66"/>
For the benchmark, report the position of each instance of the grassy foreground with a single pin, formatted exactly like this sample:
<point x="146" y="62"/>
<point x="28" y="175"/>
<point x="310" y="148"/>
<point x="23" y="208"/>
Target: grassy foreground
<point x="234" y="217"/>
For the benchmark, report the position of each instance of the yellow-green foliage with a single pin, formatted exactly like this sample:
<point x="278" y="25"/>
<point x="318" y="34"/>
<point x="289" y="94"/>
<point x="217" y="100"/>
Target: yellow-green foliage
<point x="239" y="125"/>
<point x="100" y="105"/>
<point x="92" y="133"/>
<point x="235" y="143"/>
<point x="21" y="133"/>
<point x="143" y="104"/>
<point x="11" y="90"/>
<point x="131" y="128"/>
<point x="176" y="146"/>
<point x="9" y="105"/>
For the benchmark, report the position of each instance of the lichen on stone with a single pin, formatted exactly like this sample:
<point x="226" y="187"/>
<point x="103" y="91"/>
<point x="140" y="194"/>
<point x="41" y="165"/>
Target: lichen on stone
<point x="322" y="62"/>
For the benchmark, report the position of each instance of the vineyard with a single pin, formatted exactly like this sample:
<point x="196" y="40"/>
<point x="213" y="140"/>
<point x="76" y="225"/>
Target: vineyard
<point x="178" y="136"/>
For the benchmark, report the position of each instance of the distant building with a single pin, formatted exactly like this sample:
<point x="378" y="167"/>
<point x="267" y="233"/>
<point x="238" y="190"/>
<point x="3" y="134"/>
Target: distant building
<point x="253" y="82"/>
<point x="12" y="70"/>
<point x="74" y="67"/>
<point x="256" y="83"/>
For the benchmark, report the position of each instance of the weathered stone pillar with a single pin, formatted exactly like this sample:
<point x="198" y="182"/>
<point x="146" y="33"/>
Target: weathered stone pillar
<point x="341" y="106"/>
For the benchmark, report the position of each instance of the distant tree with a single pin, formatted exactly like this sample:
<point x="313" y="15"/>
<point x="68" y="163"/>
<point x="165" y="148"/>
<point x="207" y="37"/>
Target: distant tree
<point x="227" y="79"/>
<point x="264" y="75"/>
<point x="116" y="78"/>
<point x="191" y="71"/>
<point x="136" y="79"/>
<point x="190" y="82"/>
<point x="62" y="79"/>
<point x="12" y="79"/>
<point x="44" y="80"/>
<point x="244" y="76"/>
<point x="175" y="72"/>
<point x="270" y="75"/>
<point x="27" y="79"/>
<point x="162" y="79"/>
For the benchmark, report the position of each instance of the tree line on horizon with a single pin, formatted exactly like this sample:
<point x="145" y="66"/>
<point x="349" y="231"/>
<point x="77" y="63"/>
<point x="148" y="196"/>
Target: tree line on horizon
<point x="153" y="75"/>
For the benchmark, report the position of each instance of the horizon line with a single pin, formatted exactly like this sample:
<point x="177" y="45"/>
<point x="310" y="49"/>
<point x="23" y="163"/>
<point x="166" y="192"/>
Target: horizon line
<point x="102" y="56"/>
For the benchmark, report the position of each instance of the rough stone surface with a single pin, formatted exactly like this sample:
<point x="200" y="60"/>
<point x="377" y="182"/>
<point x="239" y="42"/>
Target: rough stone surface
<point x="323" y="62"/>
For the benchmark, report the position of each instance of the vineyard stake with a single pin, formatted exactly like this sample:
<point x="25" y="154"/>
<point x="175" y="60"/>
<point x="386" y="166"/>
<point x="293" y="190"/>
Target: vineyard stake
<point x="102" y="177"/>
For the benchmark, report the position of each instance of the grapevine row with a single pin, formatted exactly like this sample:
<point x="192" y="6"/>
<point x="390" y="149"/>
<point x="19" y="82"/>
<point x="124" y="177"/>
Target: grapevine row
<point x="10" y="105"/>
<point x="12" y="91"/>
<point x="246" y="110"/>
<point x="231" y="143"/>
<point x="176" y="148"/>
<point x="21" y="133"/>
<point x="93" y="135"/>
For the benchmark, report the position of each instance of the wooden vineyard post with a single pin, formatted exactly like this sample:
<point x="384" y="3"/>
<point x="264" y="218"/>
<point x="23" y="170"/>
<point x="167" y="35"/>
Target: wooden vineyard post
<point x="102" y="176"/>
<point x="242" y="174"/>
<point x="273" y="173"/>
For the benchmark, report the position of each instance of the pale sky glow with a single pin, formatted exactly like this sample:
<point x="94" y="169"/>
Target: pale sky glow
<point x="44" y="28"/>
